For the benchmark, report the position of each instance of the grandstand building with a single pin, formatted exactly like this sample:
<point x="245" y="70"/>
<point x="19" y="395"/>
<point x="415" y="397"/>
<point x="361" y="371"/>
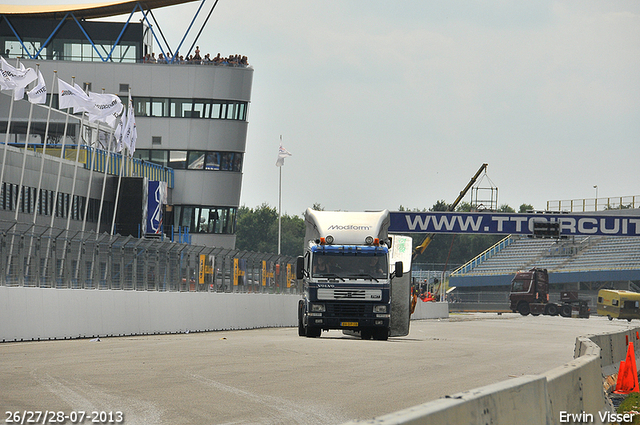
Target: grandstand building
<point x="191" y="121"/>
<point x="580" y="263"/>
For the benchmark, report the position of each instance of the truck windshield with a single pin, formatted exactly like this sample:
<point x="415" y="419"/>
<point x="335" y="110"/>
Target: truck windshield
<point x="350" y="266"/>
<point x="520" y="285"/>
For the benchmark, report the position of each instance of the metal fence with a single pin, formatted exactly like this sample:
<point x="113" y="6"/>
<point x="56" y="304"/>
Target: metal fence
<point x="38" y="256"/>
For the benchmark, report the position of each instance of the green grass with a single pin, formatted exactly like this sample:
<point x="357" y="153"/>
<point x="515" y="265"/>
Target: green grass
<point x="631" y="404"/>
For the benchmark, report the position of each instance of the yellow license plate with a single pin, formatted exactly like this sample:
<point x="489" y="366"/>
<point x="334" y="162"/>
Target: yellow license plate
<point x="351" y="324"/>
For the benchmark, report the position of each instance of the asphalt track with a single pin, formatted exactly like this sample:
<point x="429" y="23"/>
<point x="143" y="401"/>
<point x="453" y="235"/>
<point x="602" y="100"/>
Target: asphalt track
<point x="272" y="376"/>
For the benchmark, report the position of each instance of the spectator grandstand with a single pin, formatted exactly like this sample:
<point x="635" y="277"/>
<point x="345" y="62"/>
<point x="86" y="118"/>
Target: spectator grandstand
<point x="580" y="263"/>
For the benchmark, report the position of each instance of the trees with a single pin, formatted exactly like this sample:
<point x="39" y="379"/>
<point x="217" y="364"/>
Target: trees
<point x="258" y="231"/>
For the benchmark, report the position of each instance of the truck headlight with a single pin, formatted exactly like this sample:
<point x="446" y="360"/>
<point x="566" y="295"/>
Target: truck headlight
<point x="318" y="308"/>
<point x="379" y="308"/>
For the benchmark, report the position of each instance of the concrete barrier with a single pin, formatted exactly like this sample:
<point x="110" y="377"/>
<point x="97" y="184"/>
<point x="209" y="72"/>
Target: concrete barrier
<point x="572" y="393"/>
<point x="39" y="313"/>
<point x="576" y="387"/>
<point x="43" y="313"/>
<point x="518" y="401"/>
<point x="430" y="310"/>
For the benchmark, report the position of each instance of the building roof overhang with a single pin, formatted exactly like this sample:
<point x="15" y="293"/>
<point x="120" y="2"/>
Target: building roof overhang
<point x="85" y="11"/>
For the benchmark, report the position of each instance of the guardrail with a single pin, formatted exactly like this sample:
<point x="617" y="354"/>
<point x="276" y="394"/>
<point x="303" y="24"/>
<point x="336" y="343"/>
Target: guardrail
<point x="575" y="388"/>
<point x="42" y="257"/>
<point x="594" y="204"/>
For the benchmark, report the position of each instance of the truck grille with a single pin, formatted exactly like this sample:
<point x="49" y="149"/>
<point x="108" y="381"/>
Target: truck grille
<point x="349" y="294"/>
<point x="346" y="309"/>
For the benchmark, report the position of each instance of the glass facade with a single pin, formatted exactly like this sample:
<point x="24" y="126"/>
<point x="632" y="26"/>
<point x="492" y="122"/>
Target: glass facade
<point x="190" y="108"/>
<point x="192" y="160"/>
<point x="206" y="219"/>
<point x="49" y="203"/>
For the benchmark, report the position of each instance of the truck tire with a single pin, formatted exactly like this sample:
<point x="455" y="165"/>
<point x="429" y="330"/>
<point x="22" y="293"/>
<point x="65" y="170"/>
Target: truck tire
<point x="366" y="334"/>
<point x="609" y="317"/>
<point x="565" y="310"/>
<point x="313" y="332"/>
<point x="523" y="308"/>
<point x="301" y="329"/>
<point x="381" y="334"/>
<point x="551" y="310"/>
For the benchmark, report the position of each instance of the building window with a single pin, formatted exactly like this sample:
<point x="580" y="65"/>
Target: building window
<point x="159" y="157"/>
<point x="205" y="219"/>
<point x="196" y="160"/>
<point x="192" y="160"/>
<point x="178" y="160"/>
<point x="142" y="107"/>
<point x="190" y="108"/>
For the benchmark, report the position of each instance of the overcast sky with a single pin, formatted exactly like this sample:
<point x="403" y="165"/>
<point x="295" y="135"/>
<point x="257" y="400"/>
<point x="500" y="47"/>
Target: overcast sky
<point x="389" y="103"/>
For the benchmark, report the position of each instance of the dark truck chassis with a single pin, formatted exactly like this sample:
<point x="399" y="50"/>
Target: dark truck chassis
<point x="568" y="303"/>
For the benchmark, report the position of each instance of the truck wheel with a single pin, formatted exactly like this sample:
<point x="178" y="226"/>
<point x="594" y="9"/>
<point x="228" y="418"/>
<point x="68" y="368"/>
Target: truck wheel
<point x="313" y="332"/>
<point x="610" y="318"/>
<point x="301" y="330"/>
<point x="551" y="310"/>
<point x="523" y="308"/>
<point x="565" y="311"/>
<point x="381" y="334"/>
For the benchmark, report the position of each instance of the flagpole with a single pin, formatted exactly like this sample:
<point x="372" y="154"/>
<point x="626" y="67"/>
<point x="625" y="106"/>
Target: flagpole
<point x="93" y="148"/>
<point x="124" y="155"/>
<point x="44" y="150"/>
<point x="55" y="211"/>
<point x="24" y="160"/>
<point x="38" y="201"/>
<point x="6" y="141"/>
<point x="115" y="205"/>
<point x="6" y="137"/>
<point x="75" y="166"/>
<point x="279" y="209"/>
<point x="104" y="181"/>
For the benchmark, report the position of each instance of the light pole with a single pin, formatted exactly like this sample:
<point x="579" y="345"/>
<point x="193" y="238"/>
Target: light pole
<point x="596" y="203"/>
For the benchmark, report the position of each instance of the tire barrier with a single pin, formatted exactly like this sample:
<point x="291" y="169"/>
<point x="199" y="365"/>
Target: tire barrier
<point x="572" y="393"/>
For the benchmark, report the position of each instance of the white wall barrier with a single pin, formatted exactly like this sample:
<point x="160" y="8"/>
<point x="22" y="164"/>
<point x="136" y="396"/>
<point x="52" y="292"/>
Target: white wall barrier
<point x="575" y="388"/>
<point x="430" y="310"/>
<point x="43" y="313"/>
<point x="40" y="313"/>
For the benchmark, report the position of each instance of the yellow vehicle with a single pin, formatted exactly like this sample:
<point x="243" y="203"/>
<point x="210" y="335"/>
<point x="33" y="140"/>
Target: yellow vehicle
<point x="619" y="304"/>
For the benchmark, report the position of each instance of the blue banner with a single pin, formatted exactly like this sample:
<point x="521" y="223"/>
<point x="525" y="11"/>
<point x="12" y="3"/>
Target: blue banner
<point x="155" y="201"/>
<point x="515" y="224"/>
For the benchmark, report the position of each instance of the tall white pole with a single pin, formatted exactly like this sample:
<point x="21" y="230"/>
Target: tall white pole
<point x="55" y="212"/>
<point x="24" y="161"/>
<point x="6" y="141"/>
<point x="6" y="137"/>
<point x="44" y="151"/>
<point x="280" y="204"/>
<point x="279" y="209"/>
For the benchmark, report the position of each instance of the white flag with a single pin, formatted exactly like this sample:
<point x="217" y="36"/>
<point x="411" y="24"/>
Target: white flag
<point x="130" y="133"/>
<point x="16" y="79"/>
<point x="106" y="108"/>
<point x="282" y="154"/>
<point x="73" y="97"/>
<point x="38" y="94"/>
